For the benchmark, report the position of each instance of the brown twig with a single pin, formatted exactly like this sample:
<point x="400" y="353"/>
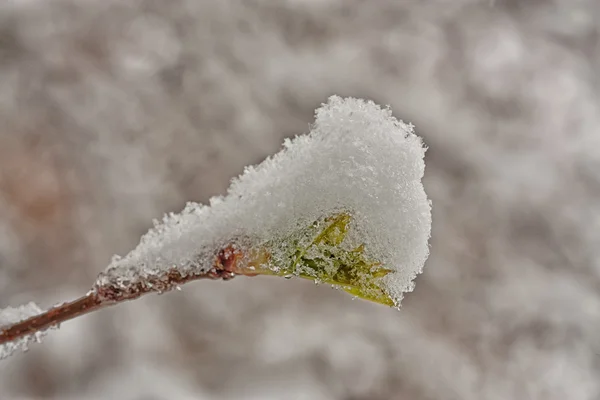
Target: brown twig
<point x="50" y="318"/>
<point x="225" y="267"/>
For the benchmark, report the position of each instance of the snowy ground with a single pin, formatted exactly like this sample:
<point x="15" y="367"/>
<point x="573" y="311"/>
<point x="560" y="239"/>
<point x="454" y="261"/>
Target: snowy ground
<point x="114" y="112"/>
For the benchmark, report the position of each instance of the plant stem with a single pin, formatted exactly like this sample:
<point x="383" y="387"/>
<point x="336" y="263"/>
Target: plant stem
<point x="51" y="318"/>
<point x="104" y="296"/>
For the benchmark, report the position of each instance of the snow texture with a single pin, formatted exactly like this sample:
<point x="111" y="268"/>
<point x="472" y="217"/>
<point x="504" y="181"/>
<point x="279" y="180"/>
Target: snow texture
<point x="11" y="315"/>
<point x="115" y="112"/>
<point x="357" y="159"/>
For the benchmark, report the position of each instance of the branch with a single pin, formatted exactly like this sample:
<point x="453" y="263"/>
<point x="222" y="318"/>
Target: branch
<point x="225" y="267"/>
<point x="342" y="205"/>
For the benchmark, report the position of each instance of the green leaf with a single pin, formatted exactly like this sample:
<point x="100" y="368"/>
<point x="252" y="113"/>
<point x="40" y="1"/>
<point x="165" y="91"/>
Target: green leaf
<point x="318" y="252"/>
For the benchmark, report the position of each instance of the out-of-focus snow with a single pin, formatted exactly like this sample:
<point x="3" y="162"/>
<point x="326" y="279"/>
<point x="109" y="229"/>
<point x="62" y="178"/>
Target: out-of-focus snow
<point x="102" y="132"/>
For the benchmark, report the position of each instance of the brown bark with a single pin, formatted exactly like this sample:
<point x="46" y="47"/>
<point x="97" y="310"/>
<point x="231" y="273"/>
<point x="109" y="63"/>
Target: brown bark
<point x="225" y="267"/>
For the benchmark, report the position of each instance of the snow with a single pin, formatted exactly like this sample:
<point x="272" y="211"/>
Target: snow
<point x="513" y="172"/>
<point x="357" y="159"/>
<point x="11" y="315"/>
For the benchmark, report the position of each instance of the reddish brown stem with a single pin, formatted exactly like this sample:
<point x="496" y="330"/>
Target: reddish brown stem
<point x="225" y="267"/>
<point x="52" y="317"/>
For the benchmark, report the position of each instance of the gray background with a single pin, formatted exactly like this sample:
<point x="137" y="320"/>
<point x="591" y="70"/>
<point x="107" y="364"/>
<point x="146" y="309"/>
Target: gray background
<point x="113" y="112"/>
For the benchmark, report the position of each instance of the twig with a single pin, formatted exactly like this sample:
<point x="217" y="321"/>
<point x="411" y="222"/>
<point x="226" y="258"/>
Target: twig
<point x="225" y="267"/>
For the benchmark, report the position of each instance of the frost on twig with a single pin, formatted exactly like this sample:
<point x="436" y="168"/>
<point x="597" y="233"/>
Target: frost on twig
<point x="11" y="315"/>
<point x="342" y="205"/>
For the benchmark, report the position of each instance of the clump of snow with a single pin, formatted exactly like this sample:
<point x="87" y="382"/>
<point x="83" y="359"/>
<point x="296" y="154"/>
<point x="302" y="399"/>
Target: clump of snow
<point x="357" y="159"/>
<point x="11" y="315"/>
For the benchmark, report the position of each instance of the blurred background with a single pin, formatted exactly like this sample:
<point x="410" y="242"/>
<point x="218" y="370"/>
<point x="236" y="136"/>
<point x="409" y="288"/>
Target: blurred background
<point x="113" y="112"/>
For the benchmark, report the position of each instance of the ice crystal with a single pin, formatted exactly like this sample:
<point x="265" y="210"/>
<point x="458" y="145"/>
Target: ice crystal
<point x="11" y="315"/>
<point x="343" y="204"/>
